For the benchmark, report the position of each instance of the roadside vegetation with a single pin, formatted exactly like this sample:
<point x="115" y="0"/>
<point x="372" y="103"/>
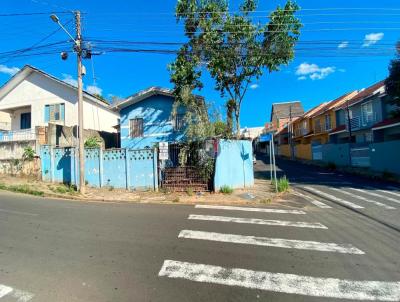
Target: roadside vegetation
<point x="226" y="190"/>
<point x="283" y="184"/>
<point x="21" y="189"/>
<point x="63" y="189"/>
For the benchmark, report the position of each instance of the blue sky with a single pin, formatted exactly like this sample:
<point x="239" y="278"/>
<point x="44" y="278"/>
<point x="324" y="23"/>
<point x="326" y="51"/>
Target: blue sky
<point x="342" y="49"/>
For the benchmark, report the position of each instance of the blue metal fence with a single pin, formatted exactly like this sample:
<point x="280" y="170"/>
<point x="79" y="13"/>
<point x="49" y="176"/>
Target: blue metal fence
<point x="118" y="168"/>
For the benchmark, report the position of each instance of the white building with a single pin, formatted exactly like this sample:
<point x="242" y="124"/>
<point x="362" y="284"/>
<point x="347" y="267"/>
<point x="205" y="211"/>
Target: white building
<point x="34" y="98"/>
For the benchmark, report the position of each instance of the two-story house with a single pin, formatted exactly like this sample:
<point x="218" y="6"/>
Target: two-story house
<point x="358" y="115"/>
<point x="34" y="98"/>
<point x="147" y="119"/>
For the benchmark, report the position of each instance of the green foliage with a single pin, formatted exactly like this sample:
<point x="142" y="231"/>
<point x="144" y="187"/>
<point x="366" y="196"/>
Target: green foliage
<point x="233" y="48"/>
<point x="220" y="128"/>
<point x="64" y="189"/>
<point x="189" y="191"/>
<point x="93" y="142"/>
<point x="29" y="154"/>
<point x="21" y="189"/>
<point x="393" y="82"/>
<point x="226" y="189"/>
<point x="283" y="184"/>
<point x="176" y="199"/>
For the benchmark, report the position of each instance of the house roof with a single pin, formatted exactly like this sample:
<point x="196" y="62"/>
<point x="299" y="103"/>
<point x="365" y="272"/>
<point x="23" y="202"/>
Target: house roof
<point x="284" y="110"/>
<point x="375" y="89"/>
<point x="146" y="93"/>
<point x="386" y="123"/>
<point x="334" y="103"/>
<point x="29" y="69"/>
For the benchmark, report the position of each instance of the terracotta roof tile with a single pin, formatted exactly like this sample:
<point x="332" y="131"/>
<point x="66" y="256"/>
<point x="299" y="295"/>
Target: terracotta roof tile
<point x="365" y="93"/>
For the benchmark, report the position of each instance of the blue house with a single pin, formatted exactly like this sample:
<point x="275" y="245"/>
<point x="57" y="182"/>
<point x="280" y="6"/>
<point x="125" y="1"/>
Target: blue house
<point x="146" y="119"/>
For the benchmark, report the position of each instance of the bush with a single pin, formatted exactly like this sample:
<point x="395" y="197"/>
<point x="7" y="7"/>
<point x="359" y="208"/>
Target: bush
<point x="226" y="190"/>
<point x="283" y="184"/>
<point x="331" y="166"/>
<point x="29" y="154"/>
<point x="93" y="142"/>
<point x="189" y="191"/>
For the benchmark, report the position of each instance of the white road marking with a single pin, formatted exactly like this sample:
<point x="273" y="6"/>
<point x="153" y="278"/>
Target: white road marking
<point x="283" y="283"/>
<point x="249" y="209"/>
<point x="397" y="190"/>
<point x="19" y="295"/>
<point x="299" y="224"/>
<point x="17" y="212"/>
<point x="315" y="202"/>
<point x="385" y="191"/>
<point x="337" y="199"/>
<point x="376" y="195"/>
<point x="5" y="290"/>
<point x="274" y="242"/>
<point x="364" y="199"/>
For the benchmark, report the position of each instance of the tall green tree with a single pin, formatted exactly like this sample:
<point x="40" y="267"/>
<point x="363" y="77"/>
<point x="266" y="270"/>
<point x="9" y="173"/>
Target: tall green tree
<point x="232" y="47"/>
<point x="393" y="81"/>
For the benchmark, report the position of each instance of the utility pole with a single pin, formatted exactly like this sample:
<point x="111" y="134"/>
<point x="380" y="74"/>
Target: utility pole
<point x="78" y="47"/>
<point x="290" y="130"/>
<point x="349" y="127"/>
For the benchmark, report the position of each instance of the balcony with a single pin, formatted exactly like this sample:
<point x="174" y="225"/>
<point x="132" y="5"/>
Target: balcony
<point x="5" y="126"/>
<point x="17" y="135"/>
<point x="358" y="122"/>
<point x="318" y="128"/>
<point x="300" y="132"/>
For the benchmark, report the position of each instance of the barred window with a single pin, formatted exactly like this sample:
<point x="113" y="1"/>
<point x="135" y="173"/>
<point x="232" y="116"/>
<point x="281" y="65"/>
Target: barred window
<point x="179" y="122"/>
<point x="136" y="127"/>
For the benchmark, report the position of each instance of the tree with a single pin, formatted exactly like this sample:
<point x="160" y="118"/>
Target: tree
<point x="233" y="48"/>
<point x="393" y="82"/>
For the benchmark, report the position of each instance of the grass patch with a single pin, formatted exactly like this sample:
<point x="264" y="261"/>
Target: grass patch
<point x="266" y="201"/>
<point x="25" y="189"/>
<point x="226" y="190"/>
<point x="189" y="191"/>
<point x="63" y="189"/>
<point x="176" y="199"/>
<point x="283" y="184"/>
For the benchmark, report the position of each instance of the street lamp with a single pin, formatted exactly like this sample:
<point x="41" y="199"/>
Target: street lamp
<point x="78" y="50"/>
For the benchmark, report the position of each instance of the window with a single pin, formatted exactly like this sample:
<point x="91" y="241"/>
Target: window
<point x="54" y="113"/>
<point x="179" y="122"/>
<point x="136" y="127"/>
<point x="327" y="122"/>
<point x="25" y="122"/>
<point x="367" y="113"/>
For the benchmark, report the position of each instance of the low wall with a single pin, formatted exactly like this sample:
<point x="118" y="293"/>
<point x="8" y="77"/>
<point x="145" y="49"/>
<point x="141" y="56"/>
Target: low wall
<point x="284" y="150"/>
<point x="14" y="150"/>
<point x="18" y="167"/>
<point x="336" y="153"/>
<point x="303" y="151"/>
<point x="385" y="157"/>
<point x="234" y="164"/>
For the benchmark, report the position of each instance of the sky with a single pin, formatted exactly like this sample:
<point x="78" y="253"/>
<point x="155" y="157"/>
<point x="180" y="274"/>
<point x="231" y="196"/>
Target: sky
<point x="344" y="46"/>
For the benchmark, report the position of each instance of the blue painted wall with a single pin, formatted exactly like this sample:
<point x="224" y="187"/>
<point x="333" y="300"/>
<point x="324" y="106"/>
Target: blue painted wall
<point x="118" y="168"/>
<point x="385" y="157"/>
<point x="157" y="123"/>
<point x="336" y="153"/>
<point x="234" y="164"/>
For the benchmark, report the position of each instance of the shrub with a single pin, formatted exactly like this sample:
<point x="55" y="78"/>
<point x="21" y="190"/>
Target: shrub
<point x="29" y="154"/>
<point x="93" y="142"/>
<point x="331" y="166"/>
<point x="189" y="191"/>
<point x="283" y="184"/>
<point x="226" y="189"/>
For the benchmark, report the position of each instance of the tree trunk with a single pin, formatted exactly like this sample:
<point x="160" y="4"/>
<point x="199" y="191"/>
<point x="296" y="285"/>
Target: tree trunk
<point x="237" y="116"/>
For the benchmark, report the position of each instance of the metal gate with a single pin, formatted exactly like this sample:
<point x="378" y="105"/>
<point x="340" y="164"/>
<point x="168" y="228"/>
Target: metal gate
<point x="360" y="157"/>
<point x="316" y="152"/>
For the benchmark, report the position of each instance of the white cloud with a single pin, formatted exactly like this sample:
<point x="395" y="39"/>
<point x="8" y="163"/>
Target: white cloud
<point x="94" y="89"/>
<point x="302" y="78"/>
<point x="372" y="38"/>
<point x="8" y="70"/>
<point x="254" y="86"/>
<point x="313" y="71"/>
<point x="344" y="44"/>
<point x="67" y="78"/>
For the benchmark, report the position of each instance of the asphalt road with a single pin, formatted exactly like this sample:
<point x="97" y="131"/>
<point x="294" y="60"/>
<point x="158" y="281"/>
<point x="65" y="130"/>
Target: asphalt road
<point x="56" y="250"/>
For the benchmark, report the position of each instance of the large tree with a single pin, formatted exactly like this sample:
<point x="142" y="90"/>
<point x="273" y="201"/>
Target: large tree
<point x="232" y="47"/>
<point x="393" y="81"/>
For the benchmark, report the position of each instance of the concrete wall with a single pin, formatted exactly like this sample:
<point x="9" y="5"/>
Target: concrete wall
<point x="303" y="151"/>
<point x="14" y="150"/>
<point x="157" y="123"/>
<point x="234" y="164"/>
<point x="36" y="91"/>
<point x="336" y="153"/>
<point x="5" y="121"/>
<point x="385" y="157"/>
<point x="20" y="167"/>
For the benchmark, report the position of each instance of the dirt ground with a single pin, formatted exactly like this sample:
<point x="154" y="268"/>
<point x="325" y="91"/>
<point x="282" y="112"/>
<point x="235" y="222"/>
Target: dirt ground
<point x="260" y="193"/>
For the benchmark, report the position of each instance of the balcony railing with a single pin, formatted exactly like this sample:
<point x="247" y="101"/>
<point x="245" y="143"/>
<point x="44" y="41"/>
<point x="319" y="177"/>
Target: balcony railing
<point x="300" y="132"/>
<point x="318" y="128"/>
<point x="358" y="122"/>
<point x="18" y="135"/>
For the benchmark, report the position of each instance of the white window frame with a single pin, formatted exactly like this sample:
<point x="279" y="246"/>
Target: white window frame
<point x="364" y="117"/>
<point x="53" y="112"/>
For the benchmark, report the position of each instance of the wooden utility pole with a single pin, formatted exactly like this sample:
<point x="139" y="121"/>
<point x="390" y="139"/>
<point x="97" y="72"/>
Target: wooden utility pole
<point x="78" y="48"/>
<point x="349" y="126"/>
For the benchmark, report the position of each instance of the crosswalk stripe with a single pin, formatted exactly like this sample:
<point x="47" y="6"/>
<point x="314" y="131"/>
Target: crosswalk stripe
<point x="5" y="290"/>
<point x="376" y="195"/>
<point x="315" y="202"/>
<point x="337" y="199"/>
<point x="397" y="193"/>
<point x="249" y="209"/>
<point x="384" y="191"/>
<point x="19" y="295"/>
<point x="273" y="242"/>
<point x="282" y="283"/>
<point x="299" y="224"/>
<point x="364" y="199"/>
